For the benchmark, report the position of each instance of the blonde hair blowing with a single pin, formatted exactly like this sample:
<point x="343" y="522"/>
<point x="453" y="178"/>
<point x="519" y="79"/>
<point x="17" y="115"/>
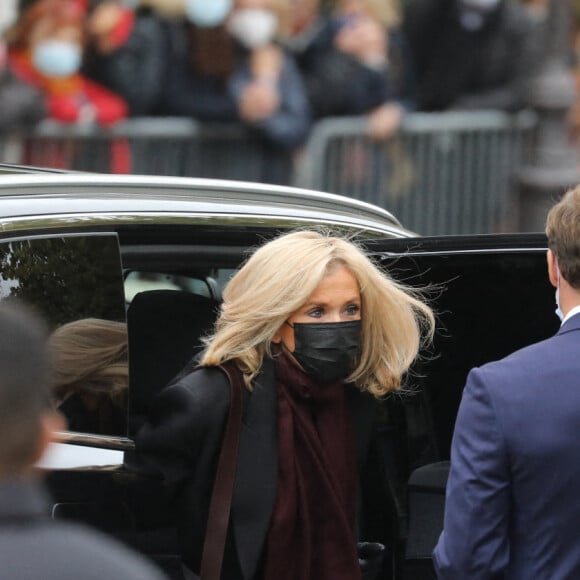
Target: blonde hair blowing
<point x="278" y="279"/>
<point x="90" y="355"/>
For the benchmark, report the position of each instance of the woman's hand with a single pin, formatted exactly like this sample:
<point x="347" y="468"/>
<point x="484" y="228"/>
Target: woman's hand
<point x="384" y="121"/>
<point x="102" y="24"/>
<point x="266" y="61"/>
<point x="259" y="101"/>
<point x="261" y="98"/>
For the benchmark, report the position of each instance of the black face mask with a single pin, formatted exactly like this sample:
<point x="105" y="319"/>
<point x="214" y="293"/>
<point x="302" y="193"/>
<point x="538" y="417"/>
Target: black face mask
<point x="327" y="351"/>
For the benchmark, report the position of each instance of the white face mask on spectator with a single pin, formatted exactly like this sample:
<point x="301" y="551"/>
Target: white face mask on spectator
<point x="207" y="13"/>
<point x="253" y="27"/>
<point x="57" y="58"/>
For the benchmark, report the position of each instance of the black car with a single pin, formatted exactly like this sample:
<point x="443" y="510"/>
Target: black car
<point x="155" y="252"/>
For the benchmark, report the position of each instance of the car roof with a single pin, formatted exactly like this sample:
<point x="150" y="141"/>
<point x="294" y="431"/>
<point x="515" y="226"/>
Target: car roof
<point x="27" y="194"/>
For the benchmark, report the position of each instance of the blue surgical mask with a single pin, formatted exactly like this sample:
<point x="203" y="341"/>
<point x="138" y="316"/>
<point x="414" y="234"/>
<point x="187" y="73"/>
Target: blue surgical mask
<point x="558" y="310"/>
<point x="57" y="58"/>
<point x="207" y="13"/>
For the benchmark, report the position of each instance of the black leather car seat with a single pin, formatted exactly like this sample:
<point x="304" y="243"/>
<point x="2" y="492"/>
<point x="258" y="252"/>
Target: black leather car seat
<point x="165" y="329"/>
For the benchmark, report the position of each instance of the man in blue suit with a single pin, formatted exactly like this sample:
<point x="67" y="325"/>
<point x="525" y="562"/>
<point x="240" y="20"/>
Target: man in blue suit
<point x="513" y="496"/>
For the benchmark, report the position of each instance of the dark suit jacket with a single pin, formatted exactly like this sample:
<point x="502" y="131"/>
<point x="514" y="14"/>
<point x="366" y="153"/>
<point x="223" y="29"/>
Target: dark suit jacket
<point x="33" y="546"/>
<point x="512" y="507"/>
<point x="182" y="439"/>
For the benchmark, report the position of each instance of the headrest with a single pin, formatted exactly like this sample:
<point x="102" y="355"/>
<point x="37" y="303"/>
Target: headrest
<point x="164" y="327"/>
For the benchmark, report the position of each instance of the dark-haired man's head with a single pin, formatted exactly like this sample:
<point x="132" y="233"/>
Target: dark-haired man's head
<point x="27" y="418"/>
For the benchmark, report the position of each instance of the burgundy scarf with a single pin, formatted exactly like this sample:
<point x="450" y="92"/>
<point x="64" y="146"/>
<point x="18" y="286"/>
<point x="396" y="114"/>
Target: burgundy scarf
<point x="311" y="535"/>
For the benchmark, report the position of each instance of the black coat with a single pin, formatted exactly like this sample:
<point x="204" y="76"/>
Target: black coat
<point x="135" y="70"/>
<point x="33" y="546"/>
<point x="488" y="68"/>
<point x="21" y="104"/>
<point x="182" y="439"/>
<point x="339" y="84"/>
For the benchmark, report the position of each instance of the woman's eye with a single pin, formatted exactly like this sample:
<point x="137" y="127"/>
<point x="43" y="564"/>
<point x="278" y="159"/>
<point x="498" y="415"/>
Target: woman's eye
<point x="316" y="312"/>
<point x="353" y="309"/>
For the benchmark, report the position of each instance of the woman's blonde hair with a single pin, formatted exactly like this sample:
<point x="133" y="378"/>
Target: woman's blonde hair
<point x="90" y="355"/>
<point x="278" y="279"/>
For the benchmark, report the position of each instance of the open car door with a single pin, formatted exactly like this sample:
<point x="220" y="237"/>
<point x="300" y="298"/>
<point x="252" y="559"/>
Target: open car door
<point x="491" y="296"/>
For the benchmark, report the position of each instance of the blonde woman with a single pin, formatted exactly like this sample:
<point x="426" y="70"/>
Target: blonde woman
<point x="319" y="333"/>
<point x="91" y="374"/>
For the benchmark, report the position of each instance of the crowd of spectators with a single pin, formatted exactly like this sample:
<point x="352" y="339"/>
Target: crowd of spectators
<point x="275" y="66"/>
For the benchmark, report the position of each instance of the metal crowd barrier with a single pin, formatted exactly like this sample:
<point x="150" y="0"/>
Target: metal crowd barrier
<point x="152" y="146"/>
<point x="445" y="173"/>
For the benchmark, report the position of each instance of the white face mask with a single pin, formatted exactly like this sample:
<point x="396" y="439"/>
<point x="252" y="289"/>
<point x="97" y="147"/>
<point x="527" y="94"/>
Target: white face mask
<point x="207" y="13"/>
<point x="558" y="310"/>
<point x="57" y="58"/>
<point x="253" y="27"/>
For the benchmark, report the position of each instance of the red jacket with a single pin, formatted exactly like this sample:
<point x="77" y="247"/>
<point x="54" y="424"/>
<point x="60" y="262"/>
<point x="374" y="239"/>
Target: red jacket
<point x="72" y="99"/>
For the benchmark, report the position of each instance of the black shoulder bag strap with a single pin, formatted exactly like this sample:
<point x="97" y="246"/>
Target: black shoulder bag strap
<point x="223" y="487"/>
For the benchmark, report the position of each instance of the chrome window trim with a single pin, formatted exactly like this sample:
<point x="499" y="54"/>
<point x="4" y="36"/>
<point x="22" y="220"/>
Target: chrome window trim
<point x="194" y="189"/>
<point x="89" y="440"/>
<point x="413" y="254"/>
<point x="53" y="221"/>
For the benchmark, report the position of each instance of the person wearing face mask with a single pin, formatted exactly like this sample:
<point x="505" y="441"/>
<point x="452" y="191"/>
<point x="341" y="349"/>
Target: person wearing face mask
<point x="318" y="334"/>
<point x="46" y="50"/>
<point x="224" y="65"/>
<point x="472" y="54"/>
<point x="355" y="62"/>
<point x="268" y="88"/>
<point x="512" y="507"/>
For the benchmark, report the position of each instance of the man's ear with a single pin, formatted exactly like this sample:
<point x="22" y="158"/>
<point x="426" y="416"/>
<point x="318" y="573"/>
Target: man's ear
<point x="552" y="268"/>
<point x="50" y="423"/>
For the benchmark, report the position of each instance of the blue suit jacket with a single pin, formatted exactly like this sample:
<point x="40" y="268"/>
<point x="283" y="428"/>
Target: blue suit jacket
<point x="513" y="497"/>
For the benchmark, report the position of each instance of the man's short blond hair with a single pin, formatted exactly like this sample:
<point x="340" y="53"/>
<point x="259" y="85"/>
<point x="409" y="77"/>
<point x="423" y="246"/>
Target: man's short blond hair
<point x="563" y="231"/>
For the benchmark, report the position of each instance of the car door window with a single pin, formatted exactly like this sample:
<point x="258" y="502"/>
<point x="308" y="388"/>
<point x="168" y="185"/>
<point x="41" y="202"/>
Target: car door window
<point x="75" y="282"/>
<point x="136" y="282"/>
<point x="209" y="284"/>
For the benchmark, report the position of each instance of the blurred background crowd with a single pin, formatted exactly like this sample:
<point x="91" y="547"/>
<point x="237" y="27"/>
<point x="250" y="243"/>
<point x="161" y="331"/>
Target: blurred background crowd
<point x="277" y="66"/>
<point x="386" y="101"/>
